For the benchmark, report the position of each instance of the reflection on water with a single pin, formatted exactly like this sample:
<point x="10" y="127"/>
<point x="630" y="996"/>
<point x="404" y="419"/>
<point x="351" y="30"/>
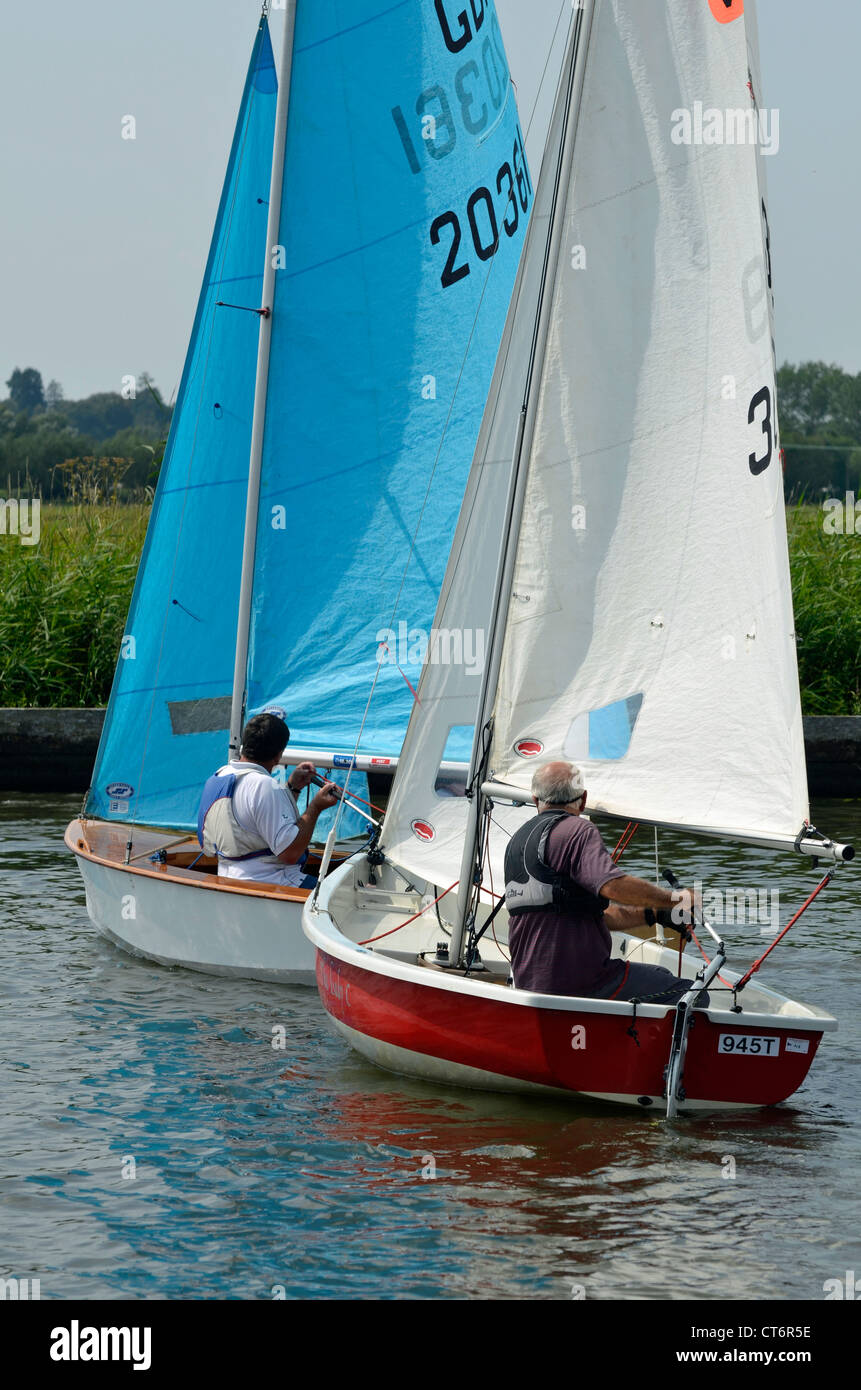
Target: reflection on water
<point x="256" y="1169"/>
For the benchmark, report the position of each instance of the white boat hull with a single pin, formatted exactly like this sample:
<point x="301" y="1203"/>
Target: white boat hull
<point x="179" y="925"/>
<point x="198" y="924"/>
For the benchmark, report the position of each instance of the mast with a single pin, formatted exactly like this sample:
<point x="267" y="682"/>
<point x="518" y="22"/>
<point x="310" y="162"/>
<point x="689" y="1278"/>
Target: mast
<point x="249" y="544"/>
<point x="574" y="74"/>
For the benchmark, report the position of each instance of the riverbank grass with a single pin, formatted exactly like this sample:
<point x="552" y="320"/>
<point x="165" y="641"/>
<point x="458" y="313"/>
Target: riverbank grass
<point x="64" y="602"/>
<point x="63" y="607"/>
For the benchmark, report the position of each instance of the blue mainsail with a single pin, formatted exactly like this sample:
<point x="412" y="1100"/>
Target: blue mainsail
<point x="164" y="731"/>
<point x="406" y="197"/>
<point x="405" y="200"/>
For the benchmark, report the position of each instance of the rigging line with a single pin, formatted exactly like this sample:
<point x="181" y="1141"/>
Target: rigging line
<point x="625" y="839"/>
<point x="444" y="434"/>
<point x="804" y="906"/>
<point x="489" y="861"/>
<point x="385" y="647"/>
<point x="220" y="259"/>
<point x="564" y="6"/>
<point x="355" y="795"/>
<point x="414" y="917"/>
<point x="706" y="958"/>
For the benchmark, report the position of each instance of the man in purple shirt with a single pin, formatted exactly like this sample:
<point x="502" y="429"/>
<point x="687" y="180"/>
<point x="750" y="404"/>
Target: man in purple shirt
<point x="564" y="894"/>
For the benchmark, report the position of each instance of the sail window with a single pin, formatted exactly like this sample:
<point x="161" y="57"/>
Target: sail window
<point x="603" y="735"/>
<point x="454" y="766"/>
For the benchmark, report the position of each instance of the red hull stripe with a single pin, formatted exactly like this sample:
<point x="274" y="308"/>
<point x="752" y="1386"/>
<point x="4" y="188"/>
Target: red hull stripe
<point x="588" y="1052"/>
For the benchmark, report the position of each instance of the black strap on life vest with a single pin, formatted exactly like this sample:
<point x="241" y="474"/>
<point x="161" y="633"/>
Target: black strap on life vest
<point x="525" y="858"/>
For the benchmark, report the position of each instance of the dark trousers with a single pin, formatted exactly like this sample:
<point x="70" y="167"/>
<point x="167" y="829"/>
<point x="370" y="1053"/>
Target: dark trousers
<point x="650" y="984"/>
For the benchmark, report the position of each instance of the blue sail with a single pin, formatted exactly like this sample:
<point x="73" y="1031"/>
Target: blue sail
<point x="405" y="200"/>
<point x="165" y="730"/>
<point x="406" y="197"/>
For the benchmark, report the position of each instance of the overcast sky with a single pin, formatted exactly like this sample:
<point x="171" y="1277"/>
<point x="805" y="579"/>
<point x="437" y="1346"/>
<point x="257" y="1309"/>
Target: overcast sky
<point x="103" y="241"/>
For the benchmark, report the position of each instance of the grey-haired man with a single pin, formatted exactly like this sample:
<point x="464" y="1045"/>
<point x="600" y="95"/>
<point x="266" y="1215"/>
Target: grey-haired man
<point x="564" y="895"/>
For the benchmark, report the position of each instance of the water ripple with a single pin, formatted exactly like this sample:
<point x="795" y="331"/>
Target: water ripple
<point x="153" y="1144"/>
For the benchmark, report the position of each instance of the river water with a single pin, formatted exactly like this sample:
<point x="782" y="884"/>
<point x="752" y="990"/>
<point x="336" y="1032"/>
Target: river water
<point x="154" y="1144"/>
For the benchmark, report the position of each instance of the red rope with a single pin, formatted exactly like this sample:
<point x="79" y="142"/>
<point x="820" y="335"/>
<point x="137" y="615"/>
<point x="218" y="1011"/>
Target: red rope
<point x="625" y="839"/>
<point x="351" y="796"/>
<point x="384" y="646"/>
<point x="409" y="919"/>
<point x="804" y="906"/>
<point x="354" y="796"/>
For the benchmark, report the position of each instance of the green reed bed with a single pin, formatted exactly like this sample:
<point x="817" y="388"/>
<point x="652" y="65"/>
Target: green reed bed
<point x="826" y="593"/>
<point x="63" y="604"/>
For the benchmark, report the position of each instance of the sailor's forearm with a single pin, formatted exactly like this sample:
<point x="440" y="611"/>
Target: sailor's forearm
<point x="637" y="892"/>
<point x="619" y="918"/>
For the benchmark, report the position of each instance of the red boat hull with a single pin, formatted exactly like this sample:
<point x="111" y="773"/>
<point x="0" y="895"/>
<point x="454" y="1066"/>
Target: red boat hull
<point x="590" y="1053"/>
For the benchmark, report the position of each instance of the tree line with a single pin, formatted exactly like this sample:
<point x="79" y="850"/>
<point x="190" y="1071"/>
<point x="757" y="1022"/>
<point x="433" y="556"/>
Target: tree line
<point x="819" y="409"/>
<point x="108" y="447"/>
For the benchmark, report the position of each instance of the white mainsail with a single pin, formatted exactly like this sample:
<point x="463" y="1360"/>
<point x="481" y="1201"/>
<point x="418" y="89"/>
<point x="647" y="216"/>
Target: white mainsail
<point x="647" y="633"/>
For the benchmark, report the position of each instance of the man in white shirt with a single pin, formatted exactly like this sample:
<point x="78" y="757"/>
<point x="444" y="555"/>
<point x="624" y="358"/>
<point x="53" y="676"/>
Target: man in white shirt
<point x="252" y="823"/>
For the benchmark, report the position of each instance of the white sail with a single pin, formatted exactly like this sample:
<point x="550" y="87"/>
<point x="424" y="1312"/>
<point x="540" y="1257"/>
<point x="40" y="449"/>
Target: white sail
<point x="648" y="633"/>
<point x="652" y="577"/>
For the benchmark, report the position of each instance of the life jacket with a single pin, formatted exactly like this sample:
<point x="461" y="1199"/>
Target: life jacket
<point x="218" y="831"/>
<point x="530" y="883"/>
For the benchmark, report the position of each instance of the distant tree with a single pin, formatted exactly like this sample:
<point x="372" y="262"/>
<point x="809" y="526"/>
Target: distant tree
<point x="100" y="415"/>
<point x="819" y="408"/>
<point x="817" y="465"/>
<point x="42" y="431"/>
<point x="25" y="389"/>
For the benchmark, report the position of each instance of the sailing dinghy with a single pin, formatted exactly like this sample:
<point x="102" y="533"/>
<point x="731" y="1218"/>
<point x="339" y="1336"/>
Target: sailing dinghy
<point x="366" y="243"/>
<point x="622" y="541"/>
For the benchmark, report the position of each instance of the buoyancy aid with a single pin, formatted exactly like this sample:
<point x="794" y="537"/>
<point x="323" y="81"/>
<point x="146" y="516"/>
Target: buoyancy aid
<point x="218" y="831"/>
<point x="530" y="884"/>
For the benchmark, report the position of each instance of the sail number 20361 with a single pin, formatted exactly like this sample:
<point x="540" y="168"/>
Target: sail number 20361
<point x="514" y="188"/>
<point x="749" y="1045"/>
